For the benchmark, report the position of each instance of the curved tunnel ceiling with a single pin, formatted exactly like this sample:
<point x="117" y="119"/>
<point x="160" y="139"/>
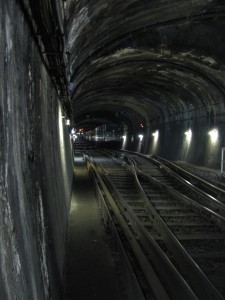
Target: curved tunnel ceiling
<point x="148" y="59"/>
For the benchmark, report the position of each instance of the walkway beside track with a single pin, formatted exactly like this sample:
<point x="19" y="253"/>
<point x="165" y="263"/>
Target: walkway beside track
<point x="90" y="268"/>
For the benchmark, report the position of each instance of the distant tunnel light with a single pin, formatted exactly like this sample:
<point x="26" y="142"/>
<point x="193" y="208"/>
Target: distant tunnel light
<point x="188" y="135"/>
<point x="214" y="135"/>
<point x="74" y="137"/>
<point x="140" y="137"/>
<point x="124" y="137"/>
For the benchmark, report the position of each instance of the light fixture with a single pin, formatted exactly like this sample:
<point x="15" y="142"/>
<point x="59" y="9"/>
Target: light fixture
<point x="156" y="134"/>
<point x="141" y="137"/>
<point x="214" y="135"/>
<point x="74" y="137"/>
<point x="124" y="139"/>
<point x="188" y="135"/>
<point x="68" y="122"/>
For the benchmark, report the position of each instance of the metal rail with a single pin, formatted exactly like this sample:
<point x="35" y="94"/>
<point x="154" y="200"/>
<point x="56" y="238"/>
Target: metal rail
<point x="198" y="281"/>
<point x="200" y="201"/>
<point x="132" y="286"/>
<point x="206" y="193"/>
<point x="147" y="269"/>
<point x="142" y="243"/>
<point x="210" y="188"/>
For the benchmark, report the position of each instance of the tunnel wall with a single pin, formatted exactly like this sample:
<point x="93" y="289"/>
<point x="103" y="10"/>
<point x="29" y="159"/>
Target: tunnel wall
<point x="173" y="143"/>
<point x="36" y="167"/>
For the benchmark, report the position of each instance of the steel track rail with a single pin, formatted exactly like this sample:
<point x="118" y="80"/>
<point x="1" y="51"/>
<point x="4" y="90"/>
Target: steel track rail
<point x="194" y="183"/>
<point x="203" y="210"/>
<point x="200" y="283"/>
<point x="215" y="206"/>
<point x="150" y="275"/>
<point x="165" y="269"/>
<point x="194" y="179"/>
<point x="132" y="286"/>
<point x="208" y="187"/>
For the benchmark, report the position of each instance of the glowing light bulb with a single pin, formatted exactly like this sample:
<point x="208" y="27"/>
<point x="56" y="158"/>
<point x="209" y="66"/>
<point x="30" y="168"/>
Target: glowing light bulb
<point x="214" y="135"/>
<point x="156" y="135"/>
<point x="141" y="137"/>
<point x="188" y="135"/>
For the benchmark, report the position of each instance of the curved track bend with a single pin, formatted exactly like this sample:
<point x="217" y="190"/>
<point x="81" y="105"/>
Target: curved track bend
<point x="172" y="228"/>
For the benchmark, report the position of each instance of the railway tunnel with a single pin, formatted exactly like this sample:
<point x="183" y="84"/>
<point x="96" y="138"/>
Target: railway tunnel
<point x="147" y="76"/>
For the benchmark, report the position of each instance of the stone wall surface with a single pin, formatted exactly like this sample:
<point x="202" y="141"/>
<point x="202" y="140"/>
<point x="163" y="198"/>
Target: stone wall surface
<point x="36" y="167"/>
<point x="176" y="143"/>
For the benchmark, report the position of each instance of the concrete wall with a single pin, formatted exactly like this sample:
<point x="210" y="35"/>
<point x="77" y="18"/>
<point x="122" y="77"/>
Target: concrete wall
<point x="35" y="168"/>
<point x="172" y="142"/>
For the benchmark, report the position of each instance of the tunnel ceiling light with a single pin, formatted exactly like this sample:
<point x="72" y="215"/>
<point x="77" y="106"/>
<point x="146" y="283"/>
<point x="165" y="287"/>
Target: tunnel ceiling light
<point x="214" y="135"/>
<point x="141" y="137"/>
<point x="188" y="135"/>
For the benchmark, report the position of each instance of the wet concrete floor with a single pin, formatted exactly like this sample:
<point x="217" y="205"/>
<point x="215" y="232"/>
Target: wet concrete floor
<point x="90" y="268"/>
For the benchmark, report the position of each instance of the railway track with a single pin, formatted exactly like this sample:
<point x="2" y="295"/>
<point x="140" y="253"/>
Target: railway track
<point x="173" y="231"/>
